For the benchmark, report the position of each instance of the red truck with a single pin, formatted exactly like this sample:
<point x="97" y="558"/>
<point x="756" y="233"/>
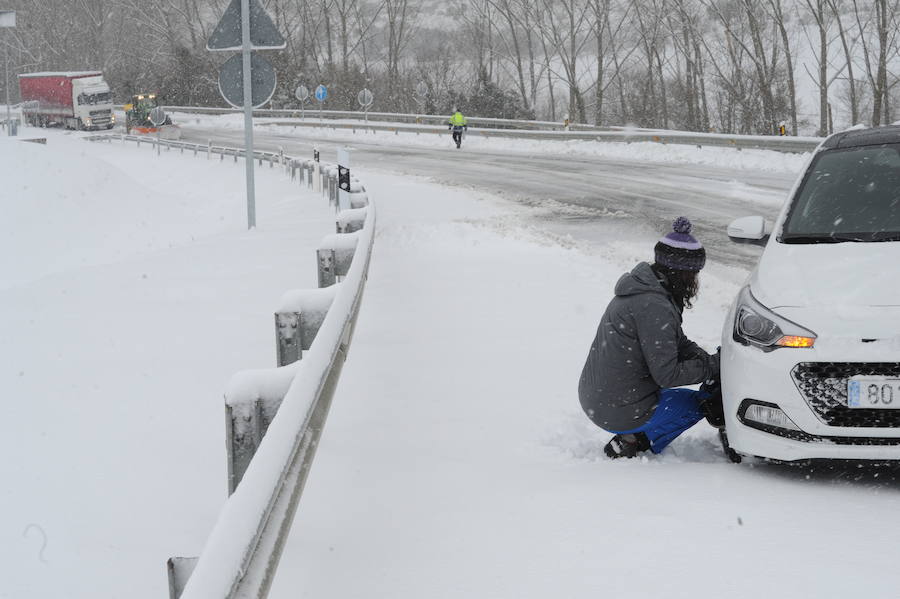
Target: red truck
<point x="75" y="100"/>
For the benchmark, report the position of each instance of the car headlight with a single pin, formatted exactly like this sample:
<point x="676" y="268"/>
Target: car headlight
<point x="756" y="325"/>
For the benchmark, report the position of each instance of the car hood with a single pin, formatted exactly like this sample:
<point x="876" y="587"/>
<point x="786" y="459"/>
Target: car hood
<point x="848" y="324"/>
<point x="839" y="276"/>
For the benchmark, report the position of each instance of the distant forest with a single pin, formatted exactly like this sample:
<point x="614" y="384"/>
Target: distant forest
<point x="736" y="66"/>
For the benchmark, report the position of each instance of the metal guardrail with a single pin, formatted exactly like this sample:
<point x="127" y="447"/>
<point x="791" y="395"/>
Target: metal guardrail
<point x="426" y="119"/>
<point x="506" y="128"/>
<point x="282" y="410"/>
<point x="740" y="142"/>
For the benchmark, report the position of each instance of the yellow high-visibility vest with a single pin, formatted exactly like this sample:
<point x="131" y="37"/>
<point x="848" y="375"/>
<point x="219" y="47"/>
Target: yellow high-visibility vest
<point x="458" y="120"/>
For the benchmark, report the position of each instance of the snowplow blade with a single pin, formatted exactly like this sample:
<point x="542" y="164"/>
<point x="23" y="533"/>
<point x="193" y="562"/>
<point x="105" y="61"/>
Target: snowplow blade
<point x="170" y="132"/>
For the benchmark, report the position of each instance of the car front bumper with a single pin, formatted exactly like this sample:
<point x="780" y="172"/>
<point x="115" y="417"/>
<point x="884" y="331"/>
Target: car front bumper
<point x="750" y="375"/>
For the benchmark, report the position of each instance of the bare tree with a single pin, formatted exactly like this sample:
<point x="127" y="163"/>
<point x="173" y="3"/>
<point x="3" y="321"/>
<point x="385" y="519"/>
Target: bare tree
<point x="877" y="35"/>
<point x="566" y="30"/>
<point x="776" y="12"/>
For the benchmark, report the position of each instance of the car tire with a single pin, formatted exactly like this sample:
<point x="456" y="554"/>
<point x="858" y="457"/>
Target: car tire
<point x="731" y="454"/>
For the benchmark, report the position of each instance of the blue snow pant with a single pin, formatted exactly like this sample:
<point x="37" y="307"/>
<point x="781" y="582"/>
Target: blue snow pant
<point x="677" y="411"/>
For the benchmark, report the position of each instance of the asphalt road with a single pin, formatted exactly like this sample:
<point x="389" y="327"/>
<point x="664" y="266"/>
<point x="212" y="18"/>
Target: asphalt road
<point x="590" y="198"/>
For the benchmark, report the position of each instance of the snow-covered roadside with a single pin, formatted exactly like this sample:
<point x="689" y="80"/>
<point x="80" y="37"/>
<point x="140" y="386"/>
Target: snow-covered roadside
<point x="755" y="160"/>
<point x="455" y="461"/>
<point x="130" y="293"/>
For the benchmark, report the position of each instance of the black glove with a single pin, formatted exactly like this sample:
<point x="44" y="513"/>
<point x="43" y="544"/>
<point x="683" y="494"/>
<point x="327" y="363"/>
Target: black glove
<point x="449" y="127"/>
<point x="713" y="369"/>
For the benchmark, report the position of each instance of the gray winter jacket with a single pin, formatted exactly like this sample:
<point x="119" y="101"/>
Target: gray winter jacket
<point x="639" y="348"/>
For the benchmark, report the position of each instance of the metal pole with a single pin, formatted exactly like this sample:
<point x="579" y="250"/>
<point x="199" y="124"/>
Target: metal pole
<point x="8" y="117"/>
<point x="248" y="113"/>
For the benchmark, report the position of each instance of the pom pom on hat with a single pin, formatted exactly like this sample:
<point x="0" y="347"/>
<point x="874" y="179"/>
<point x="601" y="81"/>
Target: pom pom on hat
<point x="682" y="225"/>
<point x="679" y="250"/>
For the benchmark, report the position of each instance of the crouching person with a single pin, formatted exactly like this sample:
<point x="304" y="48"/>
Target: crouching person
<point x="640" y="353"/>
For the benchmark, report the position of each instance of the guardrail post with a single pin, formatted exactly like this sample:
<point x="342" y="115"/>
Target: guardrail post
<point x="317" y="171"/>
<point x="350" y="221"/>
<point x="179" y="570"/>
<point x="358" y="199"/>
<point x="243" y="433"/>
<point x="333" y="257"/>
<point x="325" y="258"/>
<point x="331" y="193"/>
<point x="208" y="148"/>
<point x="297" y="321"/>
<point x="288" y="338"/>
<point x="333" y="179"/>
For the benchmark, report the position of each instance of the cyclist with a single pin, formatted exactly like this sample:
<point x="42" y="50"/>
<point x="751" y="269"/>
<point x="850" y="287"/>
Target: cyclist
<point x="457" y="125"/>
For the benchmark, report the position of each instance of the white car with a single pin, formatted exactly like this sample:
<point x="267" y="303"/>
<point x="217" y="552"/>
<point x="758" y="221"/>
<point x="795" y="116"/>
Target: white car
<point x="811" y="346"/>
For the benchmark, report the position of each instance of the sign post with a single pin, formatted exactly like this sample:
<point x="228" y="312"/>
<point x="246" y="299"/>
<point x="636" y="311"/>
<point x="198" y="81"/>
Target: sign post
<point x="248" y="113"/>
<point x="157" y="119"/>
<point x="7" y="20"/>
<point x="365" y="99"/>
<point x="302" y="94"/>
<point x="321" y="95"/>
<point x="246" y="80"/>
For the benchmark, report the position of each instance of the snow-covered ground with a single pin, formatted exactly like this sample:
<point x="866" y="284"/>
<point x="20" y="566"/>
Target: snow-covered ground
<point x="754" y="160"/>
<point x="455" y="461"/>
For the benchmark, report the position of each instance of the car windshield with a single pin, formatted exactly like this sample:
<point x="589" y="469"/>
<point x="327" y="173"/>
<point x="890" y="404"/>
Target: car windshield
<point x="848" y="195"/>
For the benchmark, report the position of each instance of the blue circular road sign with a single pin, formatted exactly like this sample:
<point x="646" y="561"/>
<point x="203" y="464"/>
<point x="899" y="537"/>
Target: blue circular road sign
<point x="321" y="93"/>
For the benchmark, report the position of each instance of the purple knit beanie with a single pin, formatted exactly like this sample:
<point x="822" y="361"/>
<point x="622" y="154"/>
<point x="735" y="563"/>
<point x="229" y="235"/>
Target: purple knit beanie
<point x="679" y="250"/>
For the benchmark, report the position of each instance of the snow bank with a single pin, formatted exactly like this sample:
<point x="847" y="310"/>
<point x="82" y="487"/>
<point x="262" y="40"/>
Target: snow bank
<point x="130" y="291"/>
<point x="64" y="207"/>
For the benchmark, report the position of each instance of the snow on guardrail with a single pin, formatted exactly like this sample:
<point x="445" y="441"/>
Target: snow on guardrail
<point x="277" y="415"/>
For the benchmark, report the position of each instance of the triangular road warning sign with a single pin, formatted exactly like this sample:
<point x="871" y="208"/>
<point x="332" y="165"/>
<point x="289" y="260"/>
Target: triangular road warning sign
<point x="227" y="34"/>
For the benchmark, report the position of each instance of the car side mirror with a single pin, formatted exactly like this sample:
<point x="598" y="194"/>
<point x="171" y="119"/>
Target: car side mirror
<point x="749" y="229"/>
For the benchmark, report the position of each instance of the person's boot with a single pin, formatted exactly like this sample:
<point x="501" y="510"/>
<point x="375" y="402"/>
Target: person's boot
<point x="626" y="446"/>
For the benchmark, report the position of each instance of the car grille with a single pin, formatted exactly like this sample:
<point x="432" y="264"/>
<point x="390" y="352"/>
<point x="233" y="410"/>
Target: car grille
<point x="824" y="387"/>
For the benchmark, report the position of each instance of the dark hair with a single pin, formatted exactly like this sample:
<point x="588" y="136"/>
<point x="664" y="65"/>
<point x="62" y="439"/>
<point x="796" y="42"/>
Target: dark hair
<point x="684" y="285"/>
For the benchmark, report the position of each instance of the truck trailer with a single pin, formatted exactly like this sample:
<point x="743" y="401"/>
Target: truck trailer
<point x="75" y="100"/>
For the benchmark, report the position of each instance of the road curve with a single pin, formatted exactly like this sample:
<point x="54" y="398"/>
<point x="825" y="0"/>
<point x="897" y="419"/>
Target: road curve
<point x="593" y="198"/>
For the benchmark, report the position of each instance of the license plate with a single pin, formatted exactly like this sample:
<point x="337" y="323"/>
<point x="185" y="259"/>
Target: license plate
<point x="873" y="392"/>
